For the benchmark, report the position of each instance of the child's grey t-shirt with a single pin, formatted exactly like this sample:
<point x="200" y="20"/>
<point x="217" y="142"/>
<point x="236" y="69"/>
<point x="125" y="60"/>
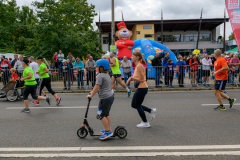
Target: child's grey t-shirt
<point x="105" y="90"/>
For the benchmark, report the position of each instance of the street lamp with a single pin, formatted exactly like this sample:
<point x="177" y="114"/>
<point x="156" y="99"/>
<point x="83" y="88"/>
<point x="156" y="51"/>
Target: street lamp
<point x="113" y="24"/>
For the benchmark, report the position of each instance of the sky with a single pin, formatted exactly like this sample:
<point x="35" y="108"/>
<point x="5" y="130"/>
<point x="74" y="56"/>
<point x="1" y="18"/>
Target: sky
<point x="151" y="10"/>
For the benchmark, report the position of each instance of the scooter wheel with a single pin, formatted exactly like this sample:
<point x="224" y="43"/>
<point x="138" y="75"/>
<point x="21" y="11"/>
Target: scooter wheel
<point x="121" y="133"/>
<point x="82" y="132"/>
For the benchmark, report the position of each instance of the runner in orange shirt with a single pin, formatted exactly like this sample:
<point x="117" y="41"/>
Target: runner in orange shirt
<point x="221" y="73"/>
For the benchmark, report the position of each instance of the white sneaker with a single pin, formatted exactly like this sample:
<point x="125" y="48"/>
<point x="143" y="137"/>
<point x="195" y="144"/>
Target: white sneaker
<point x="143" y="125"/>
<point x="153" y="113"/>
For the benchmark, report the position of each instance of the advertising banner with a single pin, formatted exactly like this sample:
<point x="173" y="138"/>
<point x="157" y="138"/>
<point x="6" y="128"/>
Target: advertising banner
<point x="233" y="8"/>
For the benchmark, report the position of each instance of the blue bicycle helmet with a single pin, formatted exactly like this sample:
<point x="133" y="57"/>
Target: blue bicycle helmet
<point x="103" y="63"/>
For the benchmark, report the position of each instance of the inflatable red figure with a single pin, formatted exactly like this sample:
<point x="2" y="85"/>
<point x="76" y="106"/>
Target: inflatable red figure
<point x="124" y="44"/>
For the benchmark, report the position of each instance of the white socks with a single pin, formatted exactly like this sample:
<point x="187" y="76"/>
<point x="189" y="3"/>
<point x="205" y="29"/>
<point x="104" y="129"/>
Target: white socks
<point x="128" y="90"/>
<point x="113" y="91"/>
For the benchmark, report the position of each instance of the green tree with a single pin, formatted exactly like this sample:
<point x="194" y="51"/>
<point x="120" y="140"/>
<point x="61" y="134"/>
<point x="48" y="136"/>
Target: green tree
<point x="64" y="25"/>
<point x="15" y="26"/>
<point x="8" y="29"/>
<point x="231" y="37"/>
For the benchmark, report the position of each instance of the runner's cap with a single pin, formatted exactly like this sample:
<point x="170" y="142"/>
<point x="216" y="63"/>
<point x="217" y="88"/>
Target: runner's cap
<point x="113" y="53"/>
<point x="25" y="60"/>
<point x="40" y="57"/>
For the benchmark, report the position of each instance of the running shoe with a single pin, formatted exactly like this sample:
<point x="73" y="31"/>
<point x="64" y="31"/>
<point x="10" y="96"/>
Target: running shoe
<point x="129" y="93"/>
<point x="35" y="102"/>
<point x="143" y="125"/>
<point x="232" y="102"/>
<point x="153" y="113"/>
<point x="171" y="86"/>
<point x="225" y="92"/>
<point x="103" y="131"/>
<point x="25" y="110"/>
<point x="58" y="101"/>
<point x="48" y="99"/>
<point x="106" y="135"/>
<point x="65" y="88"/>
<point x="220" y="108"/>
<point x="208" y="85"/>
<point x="204" y="85"/>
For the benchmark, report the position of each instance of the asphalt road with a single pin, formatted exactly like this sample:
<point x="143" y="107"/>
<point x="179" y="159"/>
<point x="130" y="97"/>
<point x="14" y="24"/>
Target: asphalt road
<point x="182" y="119"/>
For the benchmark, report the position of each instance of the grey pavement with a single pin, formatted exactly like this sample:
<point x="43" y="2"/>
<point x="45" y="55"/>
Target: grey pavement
<point x="181" y="120"/>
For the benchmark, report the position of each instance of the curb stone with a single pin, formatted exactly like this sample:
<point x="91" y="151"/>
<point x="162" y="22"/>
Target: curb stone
<point x="150" y="89"/>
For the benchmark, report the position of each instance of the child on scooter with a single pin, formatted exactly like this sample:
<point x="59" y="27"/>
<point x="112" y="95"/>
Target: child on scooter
<point x="103" y="87"/>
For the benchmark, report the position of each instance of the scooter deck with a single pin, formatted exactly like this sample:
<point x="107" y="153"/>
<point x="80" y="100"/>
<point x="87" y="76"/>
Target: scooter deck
<point x="99" y="134"/>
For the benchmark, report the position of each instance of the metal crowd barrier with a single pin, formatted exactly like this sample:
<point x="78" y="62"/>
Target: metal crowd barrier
<point x="83" y="79"/>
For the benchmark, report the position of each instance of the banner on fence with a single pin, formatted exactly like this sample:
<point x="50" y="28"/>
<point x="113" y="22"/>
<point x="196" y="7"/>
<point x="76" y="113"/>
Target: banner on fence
<point x="233" y="8"/>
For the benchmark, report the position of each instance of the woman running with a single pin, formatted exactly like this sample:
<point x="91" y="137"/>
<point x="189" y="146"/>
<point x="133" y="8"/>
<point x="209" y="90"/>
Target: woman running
<point x="142" y="88"/>
<point x="30" y="86"/>
<point x="45" y="80"/>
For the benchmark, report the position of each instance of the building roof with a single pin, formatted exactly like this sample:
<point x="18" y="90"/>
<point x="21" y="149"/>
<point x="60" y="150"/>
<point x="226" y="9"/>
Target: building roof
<point x="168" y="25"/>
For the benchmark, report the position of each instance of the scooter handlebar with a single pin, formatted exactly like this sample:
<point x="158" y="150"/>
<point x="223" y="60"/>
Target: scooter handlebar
<point x="89" y="99"/>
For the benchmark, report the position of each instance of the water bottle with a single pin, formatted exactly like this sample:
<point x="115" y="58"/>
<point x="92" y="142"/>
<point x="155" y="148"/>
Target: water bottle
<point x="99" y="113"/>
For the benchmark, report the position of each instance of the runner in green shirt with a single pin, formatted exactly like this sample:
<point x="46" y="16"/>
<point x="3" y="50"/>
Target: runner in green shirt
<point x="30" y="86"/>
<point x="45" y="80"/>
<point x="117" y="74"/>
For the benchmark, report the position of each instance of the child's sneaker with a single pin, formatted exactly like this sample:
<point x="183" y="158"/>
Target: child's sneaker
<point x="58" y="101"/>
<point x="103" y="131"/>
<point x="35" y="102"/>
<point x="143" y="125"/>
<point x="25" y="110"/>
<point x="106" y="135"/>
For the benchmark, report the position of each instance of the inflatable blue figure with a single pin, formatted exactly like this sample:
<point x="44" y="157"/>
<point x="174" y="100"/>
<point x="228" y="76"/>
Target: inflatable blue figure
<point x="149" y="48"/>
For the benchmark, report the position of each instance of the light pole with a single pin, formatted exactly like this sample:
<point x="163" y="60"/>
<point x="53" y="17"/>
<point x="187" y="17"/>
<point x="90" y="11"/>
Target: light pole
<point x="113" y="25"/>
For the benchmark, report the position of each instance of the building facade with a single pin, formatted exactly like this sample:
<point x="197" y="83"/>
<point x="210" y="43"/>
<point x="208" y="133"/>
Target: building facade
<point x="178" y="35"/>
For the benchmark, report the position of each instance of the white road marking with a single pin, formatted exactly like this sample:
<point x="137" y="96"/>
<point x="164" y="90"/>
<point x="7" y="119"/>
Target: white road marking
<point x="122" y="148"/>
<point x="235" y="104"/>
<point x="138" y="154"/>
<point x="70" y="107"/>
<point x="160" y="148"/>
<point x="40" y="149"/>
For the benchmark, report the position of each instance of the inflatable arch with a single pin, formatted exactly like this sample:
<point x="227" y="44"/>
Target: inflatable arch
<point x="149" y="48"/>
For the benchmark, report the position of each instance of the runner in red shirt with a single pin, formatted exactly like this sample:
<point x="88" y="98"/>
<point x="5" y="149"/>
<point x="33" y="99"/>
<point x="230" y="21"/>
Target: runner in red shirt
<point x="221" y="73"/>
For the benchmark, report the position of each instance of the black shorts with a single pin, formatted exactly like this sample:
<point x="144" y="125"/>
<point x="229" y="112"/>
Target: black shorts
<point x="30" y="89"/>
<point x="220" y="85"/>
<point x="37" y="80"/>
<point x="105" y="105"/>
<point x="206" y="73"/>
<point x="116" y="75"/>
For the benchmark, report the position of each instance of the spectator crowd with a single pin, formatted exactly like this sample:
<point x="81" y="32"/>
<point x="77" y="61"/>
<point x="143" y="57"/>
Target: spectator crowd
<point x="197" y="68"/>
